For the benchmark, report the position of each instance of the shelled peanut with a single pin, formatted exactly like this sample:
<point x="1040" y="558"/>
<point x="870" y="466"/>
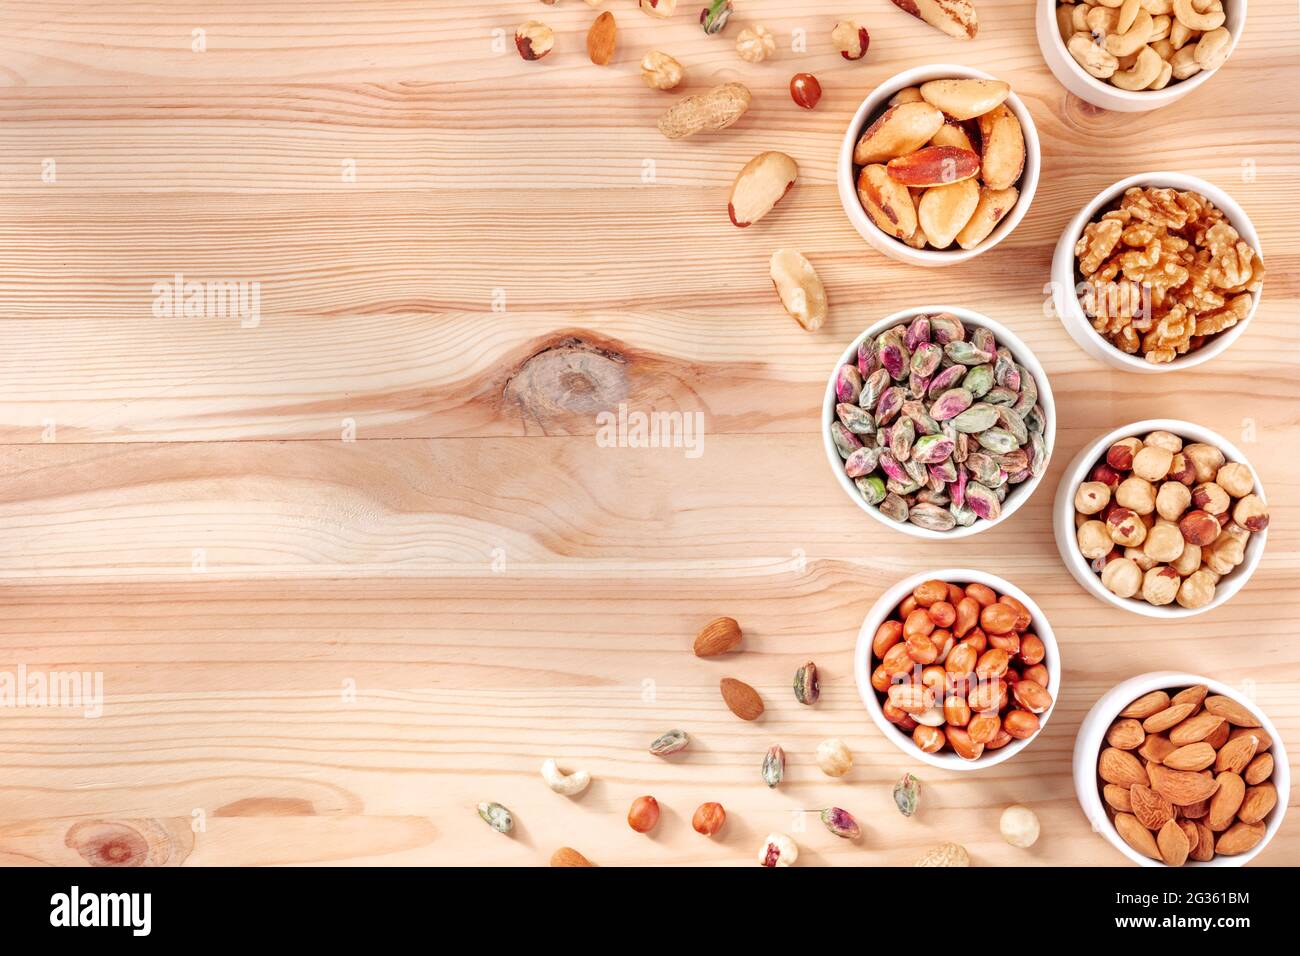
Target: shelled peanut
<point x="1163" y="521"/>
<point x="959" y="667"/>
<point x="941" y="163"/>
<point x="1186" y="775"/>
<point x="1145" y="44"/>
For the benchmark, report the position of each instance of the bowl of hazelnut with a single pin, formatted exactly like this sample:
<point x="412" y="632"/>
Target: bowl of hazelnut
<point x="1162" y="517"/>
<point x="958" y="668"/>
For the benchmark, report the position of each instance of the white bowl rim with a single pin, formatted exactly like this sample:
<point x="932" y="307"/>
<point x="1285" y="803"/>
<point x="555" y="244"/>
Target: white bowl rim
<point x="1063" y="519"/>
<point x="1066" y="302"/>
<point x="1018" y="349"/>
<point x="1181" y="87"/>
<point x="1092" y="734"/>
<point x="885" y="605"/>
<point x="879" y="94"/>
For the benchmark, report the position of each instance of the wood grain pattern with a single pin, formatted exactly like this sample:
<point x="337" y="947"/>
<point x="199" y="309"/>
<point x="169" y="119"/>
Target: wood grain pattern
<point x="354" y="569"/>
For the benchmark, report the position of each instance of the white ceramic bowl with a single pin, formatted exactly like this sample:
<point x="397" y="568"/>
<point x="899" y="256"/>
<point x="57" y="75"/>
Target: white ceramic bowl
<point x="1015" y="498"/>
<point x="1087" y="87"/>
<point x="1091" y="739"/>
<point x="1077" y="471"/>
<point x="884" y="607"/>
<point x="1065" y="278"/>
<point x="874" y="105"/>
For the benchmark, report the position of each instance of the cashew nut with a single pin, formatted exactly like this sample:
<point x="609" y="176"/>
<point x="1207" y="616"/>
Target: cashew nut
<point x="1179" y="34"/>
<point x="1127" y="14"/>
<point x="562" y="783"/>
<point x="1164" y="48"/>
<point x="1092" y="56"/>
<point x="1079" y="18"/>
<point x="1102" y="20"/>
<point x="1160" y="27"/>
<point x="1065" y="21"/>
<point x="1184" y="63"/>
<point x="1108" y="3"/>
<point x="1186" y="13"/>
<point x="1212" y="49"/>
<point x="1122" y="44"/>
<point x="1166" y="72"/>
<point x="1144" y="72"/>
<point x="1158" y="8"/>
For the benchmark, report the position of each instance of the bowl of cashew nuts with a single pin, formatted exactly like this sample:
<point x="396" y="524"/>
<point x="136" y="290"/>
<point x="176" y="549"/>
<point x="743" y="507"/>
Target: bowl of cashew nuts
<point x="1137" y="55"/>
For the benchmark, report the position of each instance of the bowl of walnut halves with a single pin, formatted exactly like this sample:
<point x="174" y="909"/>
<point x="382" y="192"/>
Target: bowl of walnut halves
<point x="1159" y="272"/>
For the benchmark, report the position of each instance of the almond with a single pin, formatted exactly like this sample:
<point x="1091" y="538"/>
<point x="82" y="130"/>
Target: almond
<point x="965" y="99"/>
<point x="1265" y="741"/>
<point x="1195" y="756"/>
<point x="1119" y="798"/>
<point x="1146" y="705"/>
<point x="568" y="856"/>
<point x="1125" y="734"/>
<point x="886" y="202"/>
<point x="1258" y="803"/>
<point x="759" y="186"/>
<point x="1164" y="719"/>
<point x="1121" y="767"/>
<point x="720" y="635"/>
<point x="1231" y="711"/>
<point x="934" y="166"/>
<point x="1226" y="801"/>
<point x="1136" y="835"/>
<point x="1156" y="748"/>
<point x="1192" y="695"/>
<point x="1192" y="833"/>
<point x="1173" y="844"/>
<point x="901" y="129"/>
<point x="1220" y="735"/>
<point x="600" y="39"/>
<point x="1239" y="838"/>
<point x="1194" y="728"/>
<point x="741" y="699"/>
<point x="944" y="210"/>
<point x="1236" y="754"/>
<point x="1181" y="787"/>
<point x="1203" y="850"/>
<point x="1003" y="152"/>
<point x="1152" y="810"/>
<point x="1194" y="811"/>
<point x="1259" y="769"/>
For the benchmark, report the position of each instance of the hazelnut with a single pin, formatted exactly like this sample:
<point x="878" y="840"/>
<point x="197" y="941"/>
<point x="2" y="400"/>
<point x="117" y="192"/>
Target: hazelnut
<point x="1226" y="552"/>
<point x="805" y="90"/>
<point x="1197" y="590"/>
<point x="1160" y="585"/>
<point x="1172" y="500"/>
<point x="1206" y="460"/>
<point x="1094" y="540"/>
<point x="1126" y="527"/>
<point x="1107" y="475"/>
<point x="1251" y="513"/>
<point x="1181" y="470"/>
<point x="850" y="39"/>
<point x="1120" y="455"/>
<point x="1209" y="496"/>
<point x="1189" y="561"/>
<point x="1152" y="462"/>
<point x="1199" y="527"/>
<point x="661" y="71"/>
<point x="755" y="44"/>
<point x="1236" y="479"/>
<point x="1091" y="497"/>
<point x="1122" y="577"/>
<point x="1167" y="440"/>
<point x="1136" y="493"/>
<point x="1139" y="557"/>
<point x="534" y="39"/>
<point x="1098" y="564"/>
<point x="1164" y="543"/>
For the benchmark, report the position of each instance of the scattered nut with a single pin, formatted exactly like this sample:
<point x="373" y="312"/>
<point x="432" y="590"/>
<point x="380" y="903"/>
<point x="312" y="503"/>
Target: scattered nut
<point x="945" y="854"/>
<point x="850" y="39"/>
<point x="805" y="90"/>
<point x="661" y="71"/>
<point x="657" y="8"/>
<point x="496" y="816"/>
<point x="907" y="794"/>
<point x="601" y="39"/>
<point x="643" y="814"/>
<point x="567" y="856"/>
<point x="778" y="850"/>
<point x="720" y="635"/>
<point x="534" y="39"/>
<point x="834" y="757"/>
<point x="714" y="17"/>
<point x="1019" y="826"/>
<point x="956" y="18"/>
<point x="755" y="44"/>
<point x="773" y="766"/>
<point x="562" y="783"/>
<point x="841" y="823"/>
<point x="716" y="109"/>
<point x="708" y="818"/>
<point x="671" y="742"/>
<point x="759" y="186"/>
<point x="801" y="291"/>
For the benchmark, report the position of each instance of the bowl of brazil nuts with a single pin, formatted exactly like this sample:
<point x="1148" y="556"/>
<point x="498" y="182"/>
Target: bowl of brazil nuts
<point x="1161" y="517"/>
<point x="1175" y="769"/>
<point x="958" y="668"/>
<point x="1137" y="55"/>
<point x="938" y="422"/>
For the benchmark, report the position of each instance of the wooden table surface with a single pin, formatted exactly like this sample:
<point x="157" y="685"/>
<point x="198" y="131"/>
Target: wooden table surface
<point x="352" y="569"/>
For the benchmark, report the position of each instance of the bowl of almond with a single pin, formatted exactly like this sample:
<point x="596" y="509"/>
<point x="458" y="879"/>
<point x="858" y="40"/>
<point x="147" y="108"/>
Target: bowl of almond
<point x="939" y="164"/>
<point x="1175" y="769"/>
<point x="958" y="668"/>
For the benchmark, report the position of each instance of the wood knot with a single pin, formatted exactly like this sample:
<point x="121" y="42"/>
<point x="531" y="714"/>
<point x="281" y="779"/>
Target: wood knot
<point x="570" y="376"/>
<point x="119" y="843"/>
